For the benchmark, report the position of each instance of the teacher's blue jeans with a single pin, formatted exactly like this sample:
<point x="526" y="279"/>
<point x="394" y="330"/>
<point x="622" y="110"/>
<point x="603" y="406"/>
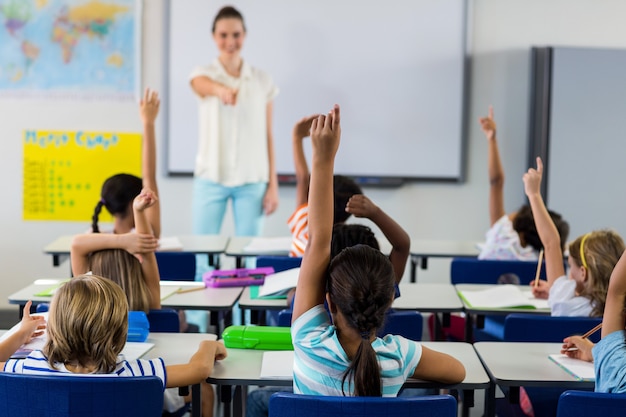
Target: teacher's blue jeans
<point x="209" y="206"/>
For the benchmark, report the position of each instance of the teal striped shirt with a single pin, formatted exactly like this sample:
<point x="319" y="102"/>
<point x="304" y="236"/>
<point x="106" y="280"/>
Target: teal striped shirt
<point x="320" y="361"/>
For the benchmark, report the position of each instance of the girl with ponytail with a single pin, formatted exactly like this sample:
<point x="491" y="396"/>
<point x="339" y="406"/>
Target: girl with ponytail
<point x="346" y="358"/>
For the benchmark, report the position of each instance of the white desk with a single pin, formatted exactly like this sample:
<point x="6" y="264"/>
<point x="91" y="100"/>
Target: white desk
<point x="480" y="312"/>
<point x="242" y="368"/>
<point x="514" y="365"/>
<point x="211" y="245"/>
<point x="238" y="247"/>
<point x="421" y="250"/>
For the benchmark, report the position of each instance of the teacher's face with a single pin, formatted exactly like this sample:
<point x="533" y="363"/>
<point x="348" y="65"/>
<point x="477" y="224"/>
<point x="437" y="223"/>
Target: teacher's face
<point x="229" y="36"/>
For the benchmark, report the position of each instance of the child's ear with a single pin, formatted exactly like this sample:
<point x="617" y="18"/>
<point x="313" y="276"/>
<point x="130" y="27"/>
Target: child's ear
<point x="331" y="306"/>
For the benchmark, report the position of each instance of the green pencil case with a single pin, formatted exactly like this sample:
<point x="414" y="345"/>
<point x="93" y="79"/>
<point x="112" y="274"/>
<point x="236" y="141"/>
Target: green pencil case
<point x="258" y="337"/>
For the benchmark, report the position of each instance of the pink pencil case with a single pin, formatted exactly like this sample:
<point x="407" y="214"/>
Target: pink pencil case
<point x="240" y="277"/>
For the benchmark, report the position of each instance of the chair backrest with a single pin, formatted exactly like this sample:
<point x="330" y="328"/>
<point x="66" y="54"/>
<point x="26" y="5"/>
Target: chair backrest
<point x="79" y="396"/>
<point x="407" y="324"/>
<point x="284" y="404"/>
<point x="478" y="271"/>
<point x="535" y="328"/>
<point x="585" y="404"/>
<point x="279" y="263"/>
<point x="176" y="266"/>
<point x="164" y="320"/>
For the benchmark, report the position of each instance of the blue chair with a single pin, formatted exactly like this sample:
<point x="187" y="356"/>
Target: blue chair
<point x="407" y="324"/>
<point x="279" y="263"/>
<point x="79" y="396"/>
<point x="176" y="266"/>
<point x="284" y="404"/>
<point x="478" y="271"/>
<point x="535" y="328"/>
<point x="586" y="404"/>
<point x="164" y="320"/>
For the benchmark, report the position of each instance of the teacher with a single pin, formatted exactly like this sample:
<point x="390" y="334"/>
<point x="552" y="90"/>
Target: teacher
<point x="235" y="159"/>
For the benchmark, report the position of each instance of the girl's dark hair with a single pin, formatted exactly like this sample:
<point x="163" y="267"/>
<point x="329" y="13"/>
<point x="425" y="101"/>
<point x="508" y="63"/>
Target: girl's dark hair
<point x="346" y="235"/>
<point x="524" y="224"/>
<point x="343" y="189"/>
<point x="361" y="286"/>
<point x="228" y="12"/>
<point x="117" y="193"/>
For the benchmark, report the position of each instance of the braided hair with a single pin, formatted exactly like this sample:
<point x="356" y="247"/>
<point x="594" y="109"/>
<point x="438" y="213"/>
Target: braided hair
<point x="361" y="285"/>
<point x="117" y="193"/>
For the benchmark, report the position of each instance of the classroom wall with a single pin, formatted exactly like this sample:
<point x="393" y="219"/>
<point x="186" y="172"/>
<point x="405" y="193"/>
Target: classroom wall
<point x="500" y="33"/>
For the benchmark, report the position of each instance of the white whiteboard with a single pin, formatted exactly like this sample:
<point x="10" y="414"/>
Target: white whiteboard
<point x="395" y="67"/>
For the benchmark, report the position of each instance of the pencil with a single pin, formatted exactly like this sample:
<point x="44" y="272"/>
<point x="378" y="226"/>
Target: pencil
<point x="539" y="267"/>
<point x="192" y="289"/>
<point x="592" y="331"/>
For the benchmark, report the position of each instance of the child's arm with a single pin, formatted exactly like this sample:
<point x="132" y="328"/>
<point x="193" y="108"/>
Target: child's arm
<point x="496" y="173"/>
<point x="270" y="199"/>
<point x="30" y="326"/>
<point x="205" y="86"/>
<point x="361" y="206"/>
<point x="613" y="318"/>
<point x="546" y="229"/>
<point x="199" y="367"/>
<point x="149" y="109"/>
<point x="439" y="367"/>
<point x="83" y="245"/>
<point x="310" y="291"/>
<point x="301" y="130"/>
<point x="149" y="267"/>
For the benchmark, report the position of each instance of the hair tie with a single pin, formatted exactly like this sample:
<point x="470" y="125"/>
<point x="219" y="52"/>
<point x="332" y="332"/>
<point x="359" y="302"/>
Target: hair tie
<point x="365" y="335"/>
<point x="582" y="250"/>
<point x="102" y="201"/>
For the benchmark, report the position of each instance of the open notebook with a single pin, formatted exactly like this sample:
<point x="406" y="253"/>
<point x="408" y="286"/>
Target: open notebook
<point x="277" y="364"/>
<point x="503" y="296"/>
<point x="581" y="370"/>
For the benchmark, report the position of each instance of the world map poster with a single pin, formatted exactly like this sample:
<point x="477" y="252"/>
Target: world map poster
<point x="77" y="48"/>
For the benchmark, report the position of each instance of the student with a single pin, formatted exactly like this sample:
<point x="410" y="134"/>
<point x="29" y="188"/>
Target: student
<point x="511" y="236"/>
<point x="30" y="326"/>
<point x="343" y="189"/>
<point x="609" y="355"/>
<point x="360" y="290"/>
<point x="131" y="263"/>
<point x="591" y="260"/>
<point x="87" y="328"/>
<point x="119" y="191"/>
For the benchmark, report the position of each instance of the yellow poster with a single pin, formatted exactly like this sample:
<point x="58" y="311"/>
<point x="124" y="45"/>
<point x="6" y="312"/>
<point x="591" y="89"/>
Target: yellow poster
<point x="64" y="171"/>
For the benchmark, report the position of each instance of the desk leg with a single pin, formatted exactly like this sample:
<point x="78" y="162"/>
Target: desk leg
<point x="196" y="401"/>
<point x="490" y="400"/>
<point x="239" y="401"/>
<point x="513" y="395"/>
<point x="468" y="401"/>
<point x="414" y="268"/>
<point x="226" y="398"/>
<point x="239" y="261"/>
<point x="214" y="260"/>
<point x="469" y="329"/>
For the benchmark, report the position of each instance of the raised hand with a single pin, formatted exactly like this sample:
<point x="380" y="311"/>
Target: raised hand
<point x="577" y="348"/>
<point x="149" y="106"/>
<point x="532" y="179"/>
<point x="488" y="125"/>
<point x="145" y="199"/>
<point x="361" y="206"/>
<point x="302" y="128"/>
<point x="31" y="326"/>
<point x="541" y="290"/>
<point x="325" y="134"/>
